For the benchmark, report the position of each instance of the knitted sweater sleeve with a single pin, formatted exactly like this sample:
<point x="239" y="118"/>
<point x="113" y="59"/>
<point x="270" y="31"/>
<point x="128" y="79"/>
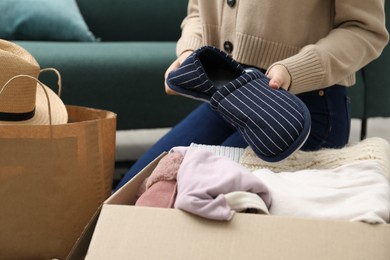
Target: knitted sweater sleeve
<point x="191" y="38"/>
<point x="358" y="37"/>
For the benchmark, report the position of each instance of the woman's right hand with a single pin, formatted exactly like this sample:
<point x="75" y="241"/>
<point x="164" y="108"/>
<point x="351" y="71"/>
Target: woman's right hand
<point x="175" y="65"/>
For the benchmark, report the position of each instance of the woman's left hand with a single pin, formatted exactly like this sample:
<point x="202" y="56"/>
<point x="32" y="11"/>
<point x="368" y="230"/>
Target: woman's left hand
<point x="279" y="77"/>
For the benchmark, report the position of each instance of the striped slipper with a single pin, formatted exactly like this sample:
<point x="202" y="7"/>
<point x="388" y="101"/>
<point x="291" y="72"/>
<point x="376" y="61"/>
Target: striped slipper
<point x="274" y="122"/>
<point x="205" y="71"/>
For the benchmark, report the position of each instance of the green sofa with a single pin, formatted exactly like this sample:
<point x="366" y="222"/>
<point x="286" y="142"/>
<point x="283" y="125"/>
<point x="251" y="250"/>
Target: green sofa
<point x="124" y="70"/>
<point x="371" y="95"/>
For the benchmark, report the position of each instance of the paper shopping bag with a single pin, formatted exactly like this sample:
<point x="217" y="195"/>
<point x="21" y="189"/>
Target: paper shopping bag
<point x="52" y="180"/>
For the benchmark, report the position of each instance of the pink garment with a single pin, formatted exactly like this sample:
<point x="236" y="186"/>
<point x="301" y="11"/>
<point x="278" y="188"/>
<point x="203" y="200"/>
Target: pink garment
<point x="160" y="187"/>
<point x="204" y="178"/>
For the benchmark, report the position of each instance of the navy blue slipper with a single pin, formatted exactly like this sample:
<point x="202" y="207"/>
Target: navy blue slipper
<point x="205" y="71"/>
<point x="274" y="122"/>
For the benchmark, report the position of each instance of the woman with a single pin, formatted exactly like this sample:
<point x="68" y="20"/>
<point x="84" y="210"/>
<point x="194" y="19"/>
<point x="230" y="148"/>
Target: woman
<point x="312" y="48"/>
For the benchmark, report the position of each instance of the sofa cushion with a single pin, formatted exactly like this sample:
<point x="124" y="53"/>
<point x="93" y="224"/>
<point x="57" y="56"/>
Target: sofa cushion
<point x="58" y="20"/>
<point x="124" y="77"/>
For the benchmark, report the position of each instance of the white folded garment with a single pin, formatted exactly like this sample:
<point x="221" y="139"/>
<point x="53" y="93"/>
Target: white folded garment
<point x="356" y="191"/>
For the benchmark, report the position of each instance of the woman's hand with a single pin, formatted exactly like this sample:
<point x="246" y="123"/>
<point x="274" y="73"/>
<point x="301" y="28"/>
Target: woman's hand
<point x="175" y="65"/>
<point x="279" y="77"/>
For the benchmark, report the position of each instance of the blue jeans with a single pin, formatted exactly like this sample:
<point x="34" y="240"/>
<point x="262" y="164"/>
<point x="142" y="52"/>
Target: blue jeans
<point x="330" y="114"/>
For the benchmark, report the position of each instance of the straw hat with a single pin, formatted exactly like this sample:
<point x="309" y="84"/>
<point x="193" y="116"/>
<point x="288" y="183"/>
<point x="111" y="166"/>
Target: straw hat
<point x="23" y="99"/>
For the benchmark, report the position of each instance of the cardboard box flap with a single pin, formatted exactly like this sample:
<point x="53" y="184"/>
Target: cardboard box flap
<point x="154" y="233"/>
<point x="126" y="195"/>
<point x="80" y="248"/>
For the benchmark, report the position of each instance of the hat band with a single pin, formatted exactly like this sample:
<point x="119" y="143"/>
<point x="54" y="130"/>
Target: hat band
<point x="5" y="116"/>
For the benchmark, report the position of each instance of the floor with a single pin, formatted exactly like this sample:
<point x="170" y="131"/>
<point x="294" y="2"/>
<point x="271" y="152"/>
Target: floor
<point x="376" y="127"/>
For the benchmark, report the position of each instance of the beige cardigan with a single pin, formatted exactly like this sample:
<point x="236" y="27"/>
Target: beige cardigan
<point x="320" y="42"/>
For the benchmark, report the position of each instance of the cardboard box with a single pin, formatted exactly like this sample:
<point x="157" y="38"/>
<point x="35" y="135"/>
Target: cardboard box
<point x="124" y="231"/>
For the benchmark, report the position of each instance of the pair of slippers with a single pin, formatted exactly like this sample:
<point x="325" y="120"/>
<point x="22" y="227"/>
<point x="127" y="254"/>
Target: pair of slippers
<point x="274" y="122"/>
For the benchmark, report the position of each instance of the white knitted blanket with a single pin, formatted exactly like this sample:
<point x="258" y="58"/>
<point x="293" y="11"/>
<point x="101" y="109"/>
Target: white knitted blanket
<point x="373" y="148"/>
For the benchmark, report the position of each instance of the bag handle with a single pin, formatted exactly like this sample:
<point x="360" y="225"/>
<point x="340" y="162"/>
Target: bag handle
<point x="59" y="79"/>
<point x="59" y="83"/>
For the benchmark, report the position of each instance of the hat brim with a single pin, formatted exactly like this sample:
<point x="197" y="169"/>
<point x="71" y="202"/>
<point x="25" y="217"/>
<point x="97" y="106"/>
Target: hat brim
<point x="59" y="113"/>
